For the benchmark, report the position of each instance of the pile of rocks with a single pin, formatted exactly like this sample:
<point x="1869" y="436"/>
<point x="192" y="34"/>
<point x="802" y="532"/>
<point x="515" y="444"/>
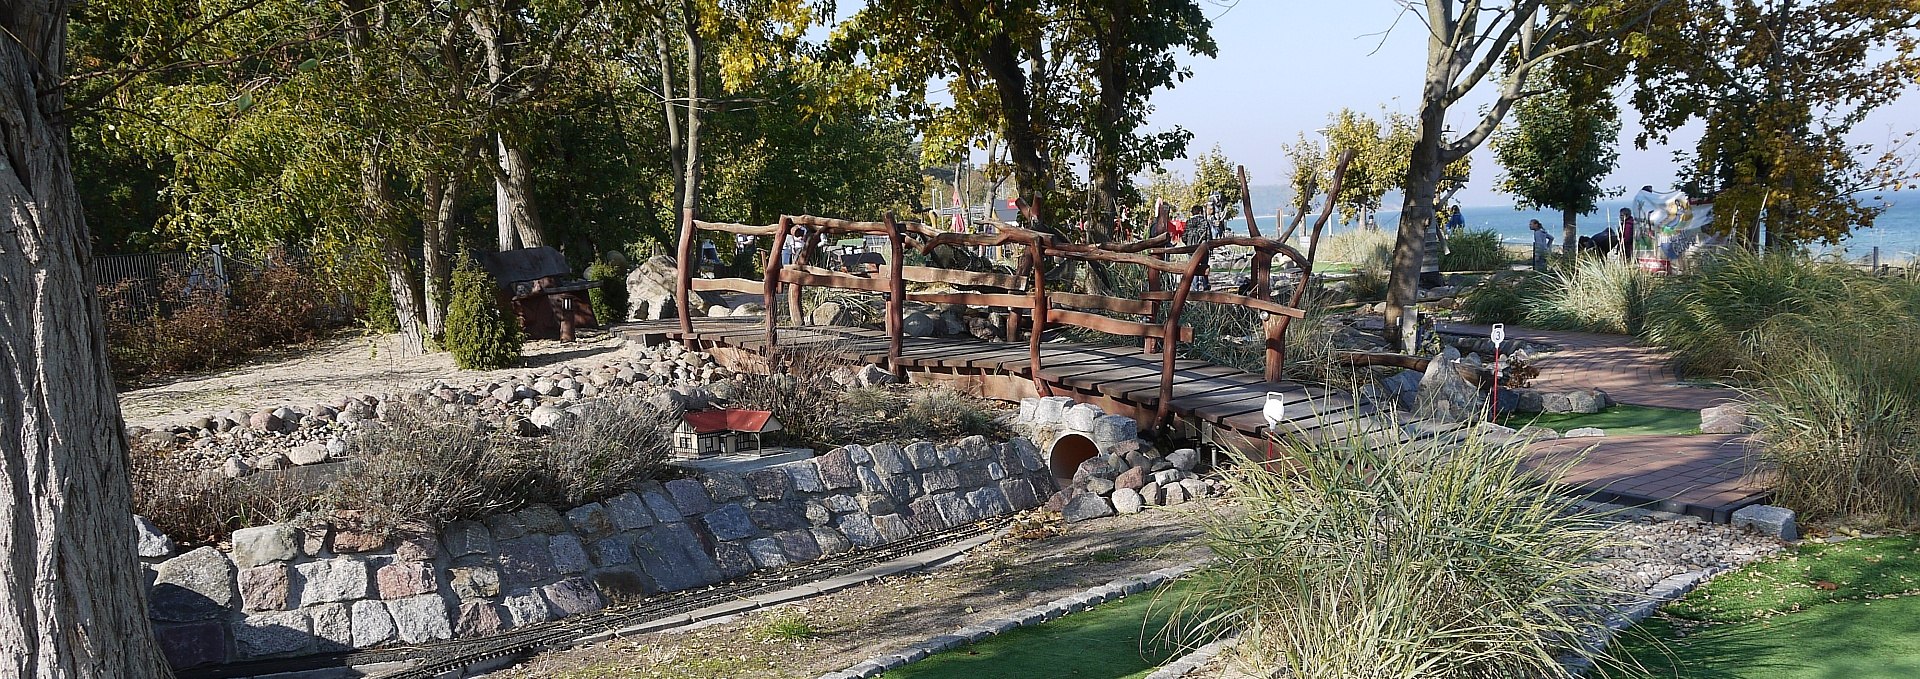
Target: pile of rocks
<point x="1651" y="547"/>
<point x="239" y="443"/>
<point x="1125" y="483"/>
<point x="1126" y="475"/>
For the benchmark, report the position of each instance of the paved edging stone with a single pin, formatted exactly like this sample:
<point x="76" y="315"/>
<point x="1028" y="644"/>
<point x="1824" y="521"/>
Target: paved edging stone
<point x="1072" y="603"/>
<point x="1186" y="664"/>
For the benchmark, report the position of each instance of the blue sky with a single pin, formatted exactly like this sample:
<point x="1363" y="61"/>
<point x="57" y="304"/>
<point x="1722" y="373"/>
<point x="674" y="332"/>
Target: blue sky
<point x="1284" y="65"/>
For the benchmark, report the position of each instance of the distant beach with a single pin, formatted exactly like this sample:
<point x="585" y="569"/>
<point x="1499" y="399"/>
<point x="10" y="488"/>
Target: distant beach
<point x="1896" y="232"/>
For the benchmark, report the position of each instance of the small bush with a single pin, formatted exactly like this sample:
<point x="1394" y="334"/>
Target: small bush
<point x="1710" y="316"/>
<point x="1365" y="249"/>
<point x="480" y="334"/>
<point x="609" y="446"/>
<point x="1407" y="561"/>
<point x="1474" y="251"/>
<point x="196" y="506"/>
<point x="791" y="623"/>
<point x="1593" y="295"/>
<point x="1501" y="298"/>
<point x="800" y="391"/>
<point x="610" y="299"/>
<point x="940" y="412"/>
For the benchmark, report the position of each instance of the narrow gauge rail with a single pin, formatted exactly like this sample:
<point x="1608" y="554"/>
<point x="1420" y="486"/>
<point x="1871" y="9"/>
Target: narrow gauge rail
<point x="438" y="658"/>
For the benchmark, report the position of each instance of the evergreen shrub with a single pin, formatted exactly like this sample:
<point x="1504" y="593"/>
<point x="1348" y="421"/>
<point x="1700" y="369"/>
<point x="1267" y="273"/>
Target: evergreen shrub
<point x="480" y="334"/>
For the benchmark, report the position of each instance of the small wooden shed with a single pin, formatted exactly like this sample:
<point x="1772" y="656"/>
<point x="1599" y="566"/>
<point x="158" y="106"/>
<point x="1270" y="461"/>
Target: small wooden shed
<point x="722" y="432"/>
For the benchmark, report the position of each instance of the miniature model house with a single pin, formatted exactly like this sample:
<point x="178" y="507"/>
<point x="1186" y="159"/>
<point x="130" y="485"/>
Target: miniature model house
<point x="722" y="432"/>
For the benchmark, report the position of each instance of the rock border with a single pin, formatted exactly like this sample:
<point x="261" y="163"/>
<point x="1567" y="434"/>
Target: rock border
<point x="1180" y="667"/>
<point x="1034" y="615"/>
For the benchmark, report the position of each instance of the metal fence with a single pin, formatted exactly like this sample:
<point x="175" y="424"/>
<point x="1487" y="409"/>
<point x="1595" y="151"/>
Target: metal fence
<point x="135" y="283"/>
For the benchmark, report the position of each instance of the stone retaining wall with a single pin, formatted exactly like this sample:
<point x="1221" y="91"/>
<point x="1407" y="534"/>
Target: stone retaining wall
<point x="283" y="590"/>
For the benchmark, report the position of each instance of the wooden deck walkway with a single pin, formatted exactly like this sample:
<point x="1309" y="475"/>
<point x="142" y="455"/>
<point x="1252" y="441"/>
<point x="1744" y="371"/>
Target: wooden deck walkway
<point x="1218" y="403"/>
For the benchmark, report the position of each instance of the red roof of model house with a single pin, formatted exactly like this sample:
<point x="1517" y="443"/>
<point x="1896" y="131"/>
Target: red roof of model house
<point x="729" y="419"/>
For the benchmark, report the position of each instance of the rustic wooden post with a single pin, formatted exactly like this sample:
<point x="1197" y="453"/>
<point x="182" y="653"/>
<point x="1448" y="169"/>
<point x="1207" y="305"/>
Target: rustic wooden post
<point x="770" y="287"/>
<point x="896" y="296"/>
<point x="1036" y="258"/>
<point x="1276" y="327"/>
<point x="1171" y="332"/>
<point x="793" y="289"/>
<point x="1160" y="218"/>
<point x="1246" y="206"/>
<point x="685" y="270"/>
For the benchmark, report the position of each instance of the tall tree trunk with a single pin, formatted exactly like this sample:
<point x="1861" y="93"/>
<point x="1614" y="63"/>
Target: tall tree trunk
<point x="1416" y="213"/>
<point x="1570" y="230"/>
<point x="376" y="199"/>
<point x="1025" y="144"/>
<point x="673" y="117"/>
<point x="690" y="187"/>
<point x="1104" y="166"/>
<point x="443" y="193"/>
<point x="72" y="599"/>
<point x="519" y="185"/>
<point x="513" y="176"/>
<point x="509" y="238"/>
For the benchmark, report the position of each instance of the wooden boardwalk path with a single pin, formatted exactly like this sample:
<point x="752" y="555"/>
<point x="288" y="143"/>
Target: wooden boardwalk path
<point x="1219" y="404"/>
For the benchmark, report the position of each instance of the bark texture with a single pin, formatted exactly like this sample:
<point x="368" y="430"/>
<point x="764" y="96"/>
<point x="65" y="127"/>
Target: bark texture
<point x="72" y="599"/>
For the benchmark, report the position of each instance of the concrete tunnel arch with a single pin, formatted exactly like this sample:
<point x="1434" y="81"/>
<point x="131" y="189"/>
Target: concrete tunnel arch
<point x="1066" y="453"/>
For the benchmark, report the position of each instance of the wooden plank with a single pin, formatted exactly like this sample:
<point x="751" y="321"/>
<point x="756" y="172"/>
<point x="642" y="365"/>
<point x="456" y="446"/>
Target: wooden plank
<point x="1113" y="326"/>
<point x="974" y="299"/>
<point x="1120" y="305"/>
<point x="729" y="285"/>
<point x="744" y="229"/>
<point x="1086" y="375"/>
<point x="930" y="274"/>
<point x="1229" y="298"/>
<point x="806" y="276"/>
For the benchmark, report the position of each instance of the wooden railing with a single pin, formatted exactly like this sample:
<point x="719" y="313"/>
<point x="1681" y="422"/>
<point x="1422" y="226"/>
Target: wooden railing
<point x="1161" y="327"/>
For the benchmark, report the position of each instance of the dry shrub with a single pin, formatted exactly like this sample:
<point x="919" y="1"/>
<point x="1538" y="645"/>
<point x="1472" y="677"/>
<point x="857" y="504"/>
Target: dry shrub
<point x="942" y="413"/>
<point x="419" y="466"/>
<point x="800" y="391"/>
<point x="198" y="506"/>
<point x="606" y="449"/>
<point x="190" y="325"/>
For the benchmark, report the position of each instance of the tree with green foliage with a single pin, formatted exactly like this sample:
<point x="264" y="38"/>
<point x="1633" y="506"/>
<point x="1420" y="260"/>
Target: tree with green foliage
<point x="1381" y="150"/>
<point x="1467" y="41"/>
<point x="1777" y="86"/>
<point x="481" y="334"/>
<point x="1049" y="77"/>
<point x="1562" y="144"/>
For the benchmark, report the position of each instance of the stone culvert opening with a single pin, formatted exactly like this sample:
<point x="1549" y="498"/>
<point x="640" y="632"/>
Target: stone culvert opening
<point x="1066" y="454"/>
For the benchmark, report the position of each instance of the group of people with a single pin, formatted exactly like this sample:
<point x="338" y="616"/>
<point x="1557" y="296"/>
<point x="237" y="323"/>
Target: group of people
<point x="1603" y="244"/>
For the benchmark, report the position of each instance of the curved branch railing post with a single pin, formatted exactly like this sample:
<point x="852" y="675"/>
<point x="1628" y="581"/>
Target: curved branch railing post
<point x="771" y="287"/>
<point x="685" y="272"/>
<point x="896" y="295"/>
<point x="1036" y="256"/>
<point x="1276" y="338"/>
<point x="1171" y="332"/>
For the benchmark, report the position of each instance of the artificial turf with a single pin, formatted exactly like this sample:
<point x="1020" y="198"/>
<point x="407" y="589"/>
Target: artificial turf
<point x="1825" y="611"/>
<point x="1117" y="640"/>
<point x="1620" y="420"/>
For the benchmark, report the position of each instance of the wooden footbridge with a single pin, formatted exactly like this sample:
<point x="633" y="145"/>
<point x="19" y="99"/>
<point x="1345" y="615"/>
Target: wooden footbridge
<point x="1148" y="381"/>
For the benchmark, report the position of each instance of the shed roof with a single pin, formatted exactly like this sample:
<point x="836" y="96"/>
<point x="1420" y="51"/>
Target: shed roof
<point x="731" y="419"/>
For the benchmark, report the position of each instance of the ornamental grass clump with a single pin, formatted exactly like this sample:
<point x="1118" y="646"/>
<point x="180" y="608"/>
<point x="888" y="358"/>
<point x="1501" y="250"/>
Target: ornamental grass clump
<point x="1709" y="317"/>
<point x="480" y="334"/>
<point x="1592" y="294"/>
<point x="1403" y="562"/>
<point x="1836" y="392"/>
<point x="1474" y="251"/>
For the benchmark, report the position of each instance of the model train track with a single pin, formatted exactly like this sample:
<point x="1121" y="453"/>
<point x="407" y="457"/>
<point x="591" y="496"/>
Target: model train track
<point x="434" y="659"/>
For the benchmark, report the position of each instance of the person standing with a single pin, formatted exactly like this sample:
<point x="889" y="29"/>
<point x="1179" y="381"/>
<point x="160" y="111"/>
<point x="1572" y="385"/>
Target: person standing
<point x="1542" y="244"/>
<point x="1626" y="234"/>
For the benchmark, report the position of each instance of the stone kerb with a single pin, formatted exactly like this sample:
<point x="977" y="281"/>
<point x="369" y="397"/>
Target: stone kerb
<point x="288" y="591"/>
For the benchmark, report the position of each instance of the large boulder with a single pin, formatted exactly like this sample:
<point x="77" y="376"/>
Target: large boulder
<point x="831" y="313"/>
<point x="1445" y="395"/>
<point x="1086" y="506"/>
<point x="650" y="288"/>
<point x="1731" y="418"/>
<point x="919" y="324"/>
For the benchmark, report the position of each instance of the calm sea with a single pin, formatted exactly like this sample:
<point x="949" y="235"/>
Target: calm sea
<point x="1896" y="232"/>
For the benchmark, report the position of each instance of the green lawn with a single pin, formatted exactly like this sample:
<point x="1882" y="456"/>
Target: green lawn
<point x="1826" y="612"/>
<point x="1620" y="420"/>
<point x="1103" y="643"/>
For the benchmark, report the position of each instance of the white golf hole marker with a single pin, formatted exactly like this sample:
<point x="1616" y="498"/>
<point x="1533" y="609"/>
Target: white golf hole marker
<point x="1275" y="411"/>
<point x="1499" y="333"/>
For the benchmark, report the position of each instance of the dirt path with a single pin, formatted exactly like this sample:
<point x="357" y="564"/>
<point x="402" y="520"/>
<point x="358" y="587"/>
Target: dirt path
<point x="343" y="365"/>
<point x="827" y="633"/>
